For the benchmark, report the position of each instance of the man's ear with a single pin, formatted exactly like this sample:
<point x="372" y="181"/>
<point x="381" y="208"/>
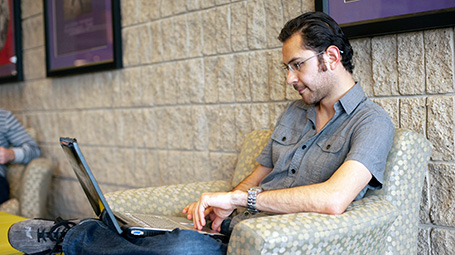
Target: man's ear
<point x="334" y="57"/>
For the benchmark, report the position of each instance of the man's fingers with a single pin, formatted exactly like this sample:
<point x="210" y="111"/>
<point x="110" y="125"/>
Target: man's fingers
<point x="216" y="205"/>
<point x="216" y="224"/>
<point x="188" y="210"/>
<point x="202" y="210"/>
<point x="208" y="211"/>
<point x="198" y="217"/>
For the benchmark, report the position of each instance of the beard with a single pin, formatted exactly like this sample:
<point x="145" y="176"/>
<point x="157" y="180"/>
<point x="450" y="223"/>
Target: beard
<point x="320" y="87"/>
<point x="315" y="96"/>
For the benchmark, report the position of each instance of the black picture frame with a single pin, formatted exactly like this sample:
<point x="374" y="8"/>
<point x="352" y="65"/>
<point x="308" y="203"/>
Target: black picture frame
<point x="442" y="15"/>
<point x="82" y="38"/>
<point x="11" y="68"/>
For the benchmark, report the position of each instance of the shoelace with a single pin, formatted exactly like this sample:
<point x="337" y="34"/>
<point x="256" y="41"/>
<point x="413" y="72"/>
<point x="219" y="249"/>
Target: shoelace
<point x="56" y="233"/>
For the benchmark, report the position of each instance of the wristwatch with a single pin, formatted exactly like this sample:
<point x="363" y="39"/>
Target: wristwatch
<point x="252" y="196"/>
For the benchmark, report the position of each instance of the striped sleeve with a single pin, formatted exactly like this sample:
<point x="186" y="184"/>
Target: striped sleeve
<point x="16" y="138"/>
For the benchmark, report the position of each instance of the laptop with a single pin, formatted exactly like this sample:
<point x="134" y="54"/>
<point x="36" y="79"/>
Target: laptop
<point x="129" y="224"/>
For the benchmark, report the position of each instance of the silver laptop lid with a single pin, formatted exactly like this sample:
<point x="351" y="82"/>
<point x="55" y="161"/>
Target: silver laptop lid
<point x="88" y="182"/>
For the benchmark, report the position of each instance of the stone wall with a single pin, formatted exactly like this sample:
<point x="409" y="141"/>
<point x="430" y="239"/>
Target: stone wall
<point x="200" y="74"/>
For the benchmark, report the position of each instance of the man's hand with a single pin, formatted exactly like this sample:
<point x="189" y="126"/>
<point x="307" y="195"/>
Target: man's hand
<point x="218" y="206"/>
<point x="6" y="155"/>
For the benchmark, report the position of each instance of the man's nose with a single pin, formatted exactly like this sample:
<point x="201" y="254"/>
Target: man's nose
<point x="291" y="78"/>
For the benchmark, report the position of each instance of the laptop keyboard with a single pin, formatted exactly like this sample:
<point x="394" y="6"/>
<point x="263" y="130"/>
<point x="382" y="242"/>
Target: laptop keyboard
<point x="156" y="221"/>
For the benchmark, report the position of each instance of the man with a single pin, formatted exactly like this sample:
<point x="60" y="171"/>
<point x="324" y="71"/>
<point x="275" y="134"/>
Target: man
<point x="16" y="146"/>
<point x="326" y="150"/>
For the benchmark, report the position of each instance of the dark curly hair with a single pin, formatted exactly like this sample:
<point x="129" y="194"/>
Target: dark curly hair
<point x="319" y="31"/>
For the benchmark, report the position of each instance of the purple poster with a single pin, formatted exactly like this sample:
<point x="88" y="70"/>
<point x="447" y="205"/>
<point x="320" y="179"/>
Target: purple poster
<point x="79" y="33"/>
<point x="366" y="18"/>
<point x="358" y="11"/>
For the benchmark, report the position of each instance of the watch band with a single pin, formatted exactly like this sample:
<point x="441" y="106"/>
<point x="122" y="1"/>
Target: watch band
<point x="252" y="196"/>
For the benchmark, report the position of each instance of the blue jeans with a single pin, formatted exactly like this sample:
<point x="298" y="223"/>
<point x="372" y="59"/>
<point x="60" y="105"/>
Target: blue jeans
<point x="95" y="238"/>
<point x="4" y="189"/>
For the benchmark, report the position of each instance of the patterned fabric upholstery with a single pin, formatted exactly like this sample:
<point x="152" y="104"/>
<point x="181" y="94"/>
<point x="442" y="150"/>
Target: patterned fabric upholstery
<point x="11" y="206"/>
<point x="252" y="147"/>
<point x="35" y="186"/>
<point x="360" y="229"/>
<point x="165" y="200"/>
<point x="29" y="186"/>
<point x="385" y="222"/>
<point x="14" y="176"/>
<point x="406" y="168"/>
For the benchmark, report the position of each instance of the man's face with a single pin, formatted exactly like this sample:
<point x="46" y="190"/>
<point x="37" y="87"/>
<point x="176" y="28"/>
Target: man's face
<point x="310" y="80"/>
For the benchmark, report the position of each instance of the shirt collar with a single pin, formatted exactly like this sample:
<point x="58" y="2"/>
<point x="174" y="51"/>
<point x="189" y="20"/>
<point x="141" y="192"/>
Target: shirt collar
<point x="352" y="98"/>
<point x="348" y="102"/>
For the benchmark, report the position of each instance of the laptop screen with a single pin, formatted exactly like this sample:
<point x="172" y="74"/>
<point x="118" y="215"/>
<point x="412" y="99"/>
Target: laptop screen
<point x="88" y="182"/>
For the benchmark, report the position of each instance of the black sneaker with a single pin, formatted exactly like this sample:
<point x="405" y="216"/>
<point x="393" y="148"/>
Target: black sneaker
<point x="39" y="236"/>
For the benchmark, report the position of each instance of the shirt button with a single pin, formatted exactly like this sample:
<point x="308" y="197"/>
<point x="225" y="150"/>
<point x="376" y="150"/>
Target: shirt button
<point x="292" y="171"/>
<point x="303" y="147"/>
<point x="283" y="139"/>
<point x="328" y="146"/>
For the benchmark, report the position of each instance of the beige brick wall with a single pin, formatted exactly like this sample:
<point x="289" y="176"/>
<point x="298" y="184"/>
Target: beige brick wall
<point x="200" y="74"/>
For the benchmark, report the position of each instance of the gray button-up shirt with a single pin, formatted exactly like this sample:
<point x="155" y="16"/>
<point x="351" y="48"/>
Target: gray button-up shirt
<point x="360" y="130"/>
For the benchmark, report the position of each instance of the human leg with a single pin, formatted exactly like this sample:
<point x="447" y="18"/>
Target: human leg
<point x="4" y="189"/>
<point x="94" y="237"/>
<point x="38" y="235"/>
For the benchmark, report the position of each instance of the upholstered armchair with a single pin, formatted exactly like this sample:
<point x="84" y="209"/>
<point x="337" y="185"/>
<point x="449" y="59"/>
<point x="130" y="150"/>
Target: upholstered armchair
<point x="29" y="185"/>
<point x="384" y="222"/>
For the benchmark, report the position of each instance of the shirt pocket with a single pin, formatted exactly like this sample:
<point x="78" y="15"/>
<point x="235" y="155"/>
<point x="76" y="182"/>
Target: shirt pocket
<point x="332" y="144"/>
<point x="330" y="157"/>
<point x="284" y="140"/>
<point x="285" y="136"/>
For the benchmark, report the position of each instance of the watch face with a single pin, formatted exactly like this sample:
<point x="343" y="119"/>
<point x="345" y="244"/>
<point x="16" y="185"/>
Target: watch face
<point x="255" y="189"/>
<point x="252" y="195"/>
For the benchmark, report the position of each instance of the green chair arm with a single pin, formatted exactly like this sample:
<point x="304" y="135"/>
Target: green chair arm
<point x="164" y="200"/>
<point x="35" y="188"/>
<point x="360" y="230"/>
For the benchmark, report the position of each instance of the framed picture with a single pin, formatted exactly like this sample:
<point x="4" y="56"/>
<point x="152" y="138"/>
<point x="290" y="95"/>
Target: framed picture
<point x="362" y="18"/>
<point x="10" y="41"/>
<point x="82" y="36"/>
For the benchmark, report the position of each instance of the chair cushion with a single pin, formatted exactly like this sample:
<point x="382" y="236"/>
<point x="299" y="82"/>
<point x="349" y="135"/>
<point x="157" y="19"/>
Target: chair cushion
<point x="252" y="147"/>
<point x="164" y="200"/>
<point x="406" y="169"/>
<point x="11" y="206"/>
<point x="14" y="174"/>
<point x="35" y="187"/>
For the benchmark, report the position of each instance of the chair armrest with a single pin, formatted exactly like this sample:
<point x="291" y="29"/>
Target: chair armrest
<point x="11" y="206"/>
<point x="363" y="227"/>
<point x="35" y="187"/>
<point x="164" y="200"/>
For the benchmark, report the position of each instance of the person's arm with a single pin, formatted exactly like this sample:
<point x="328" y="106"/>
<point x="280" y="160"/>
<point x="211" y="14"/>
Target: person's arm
<point x="23" y="146"/>
<point x="330" y="197"/>
<point x="6" y="155"/>
<point x="252" y="180"/>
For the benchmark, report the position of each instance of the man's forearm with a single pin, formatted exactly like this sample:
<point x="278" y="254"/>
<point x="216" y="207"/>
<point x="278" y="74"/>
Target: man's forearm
<point x="310" y="198"/>
<point x="330" y="197"/>
<point x="293" y="200"/>
<point x="254" y="178"/>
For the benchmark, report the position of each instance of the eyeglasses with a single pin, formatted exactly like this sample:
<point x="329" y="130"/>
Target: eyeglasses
<point x="295" y="66"/>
